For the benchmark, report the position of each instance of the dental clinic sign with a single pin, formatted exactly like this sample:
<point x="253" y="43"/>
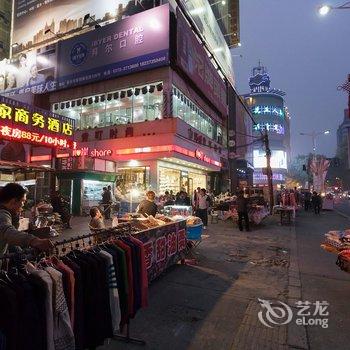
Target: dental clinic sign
<point x="133" y="44"/>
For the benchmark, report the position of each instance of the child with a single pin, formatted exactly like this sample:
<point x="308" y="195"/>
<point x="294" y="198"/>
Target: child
<point x="96" y="221"/>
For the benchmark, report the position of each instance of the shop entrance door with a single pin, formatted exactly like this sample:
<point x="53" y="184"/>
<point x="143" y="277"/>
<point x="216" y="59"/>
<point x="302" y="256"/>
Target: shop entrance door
<point x="184" y="181"/>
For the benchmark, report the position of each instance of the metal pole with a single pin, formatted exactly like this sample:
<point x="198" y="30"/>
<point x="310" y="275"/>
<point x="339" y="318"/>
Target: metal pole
<point x="269" y="169"/>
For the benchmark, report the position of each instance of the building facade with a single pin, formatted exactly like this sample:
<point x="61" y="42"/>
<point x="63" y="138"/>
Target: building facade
<point x="5" y="30"/>
<point x="271" y="115"/>
<point x="148" y="100"/>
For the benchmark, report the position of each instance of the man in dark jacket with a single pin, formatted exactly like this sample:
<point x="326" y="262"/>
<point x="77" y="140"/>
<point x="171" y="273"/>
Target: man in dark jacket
<point x="316" y="202"/>
<point x="147" y="206"/>
<point x="12" y="199"/>
<point x="242" y="209"/>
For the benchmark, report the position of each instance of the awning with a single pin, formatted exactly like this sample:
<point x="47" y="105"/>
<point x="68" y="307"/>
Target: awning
<point x="25" y="167"/>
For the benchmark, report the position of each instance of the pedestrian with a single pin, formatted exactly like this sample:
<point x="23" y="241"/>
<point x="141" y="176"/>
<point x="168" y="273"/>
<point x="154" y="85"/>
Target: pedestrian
<point x="307" y="200"/>
<point x="316" y="202"/>
<point x="96" y="221"/>
<point x="106" y="202"/>
<point x="183" y="199"/>
<point x="203" y="205"/>
<point x="61" y="206"/>
<point x="242" y="209"/>
<point x="148" y="206"/>
<point x="168" y="200"/>
<point x="12" y="199"/>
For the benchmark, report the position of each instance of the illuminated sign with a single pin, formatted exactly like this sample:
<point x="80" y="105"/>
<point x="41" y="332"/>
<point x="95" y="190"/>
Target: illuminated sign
<point x="278" y="159"/>
<point x="268" y="110"/>
<point x="259" y="176"/>
<point x="17" y="114"/>
<point x="277" y="128"/>
<point x="92" y="153"/>
<point x="33" y="137"/>
<point x="153" y="149"/>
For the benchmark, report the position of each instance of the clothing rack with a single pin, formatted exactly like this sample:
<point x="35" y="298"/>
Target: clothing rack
<point x="120" y="230"/>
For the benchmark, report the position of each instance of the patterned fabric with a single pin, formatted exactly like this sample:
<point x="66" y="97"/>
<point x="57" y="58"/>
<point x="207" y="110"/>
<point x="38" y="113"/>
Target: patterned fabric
<point x="62" y="331"/>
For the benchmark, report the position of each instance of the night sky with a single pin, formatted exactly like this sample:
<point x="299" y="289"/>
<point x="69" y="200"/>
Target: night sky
<point x="306" y="55"/>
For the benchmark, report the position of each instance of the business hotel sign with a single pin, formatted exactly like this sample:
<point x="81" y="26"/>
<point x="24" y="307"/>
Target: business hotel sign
<point x="23" y="123"/>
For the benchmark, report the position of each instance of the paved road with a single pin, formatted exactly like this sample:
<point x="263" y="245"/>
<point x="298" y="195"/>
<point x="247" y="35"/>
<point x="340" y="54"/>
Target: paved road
<point x="343" y="206"/>
<point x="322" y="280"/>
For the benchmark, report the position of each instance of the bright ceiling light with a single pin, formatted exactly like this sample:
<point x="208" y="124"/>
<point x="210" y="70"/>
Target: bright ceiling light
<point x="197" y="11"/>
<point x="218" y="49"/>
<point x="326" y="132"/>
<point x="43" y="60"/>
<point x="223" y="3"/>
<point x="324" y="10"/>
<point x="239" y="44"/>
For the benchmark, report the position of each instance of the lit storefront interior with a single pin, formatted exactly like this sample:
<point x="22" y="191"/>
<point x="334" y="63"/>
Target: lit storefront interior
<point x="185" y="109"/>
<point x="130" y="105"/>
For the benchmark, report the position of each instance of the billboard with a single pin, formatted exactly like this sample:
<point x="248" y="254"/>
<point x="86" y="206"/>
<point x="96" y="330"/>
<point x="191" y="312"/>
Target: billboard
<point x="33" y="71"/>
<point x="194" y="61"/>
<point x="36" y="21"/>
<point x="201" y="13"/>
<point x="137" y="43"/>
<point x="278" y="159"/>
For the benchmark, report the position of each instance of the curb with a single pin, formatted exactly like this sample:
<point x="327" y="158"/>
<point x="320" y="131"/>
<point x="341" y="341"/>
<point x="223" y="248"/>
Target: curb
<point x="342" y="214"/>
<point x="297" y="335"/>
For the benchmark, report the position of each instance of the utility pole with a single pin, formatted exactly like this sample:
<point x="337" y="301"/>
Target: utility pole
<point x="269" y="169"/>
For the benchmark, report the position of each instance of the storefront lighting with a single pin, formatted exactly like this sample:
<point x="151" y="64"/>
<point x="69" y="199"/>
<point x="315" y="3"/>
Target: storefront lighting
<point x="43" y="60"/>
<point x="133" y="163"/>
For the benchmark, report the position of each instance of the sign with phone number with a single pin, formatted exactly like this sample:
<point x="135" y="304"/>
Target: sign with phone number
<point x="34" y="137"/>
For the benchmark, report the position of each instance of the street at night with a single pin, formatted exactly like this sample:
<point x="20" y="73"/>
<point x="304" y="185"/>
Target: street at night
<point x="174" y="175"/>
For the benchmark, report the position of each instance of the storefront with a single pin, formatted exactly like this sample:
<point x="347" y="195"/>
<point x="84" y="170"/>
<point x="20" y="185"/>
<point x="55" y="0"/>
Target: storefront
<point x="29" y="139"/>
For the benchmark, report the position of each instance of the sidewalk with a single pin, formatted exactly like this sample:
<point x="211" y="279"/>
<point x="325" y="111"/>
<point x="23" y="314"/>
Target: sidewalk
<point x="213" y="304"/>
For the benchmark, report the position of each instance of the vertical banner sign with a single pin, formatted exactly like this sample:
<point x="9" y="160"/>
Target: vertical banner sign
<point x="194" y="61"/>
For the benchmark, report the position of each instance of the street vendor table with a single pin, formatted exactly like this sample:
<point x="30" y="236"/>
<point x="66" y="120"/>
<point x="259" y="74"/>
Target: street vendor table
<point x="164" y="246"/>
<point x="286" y="214"/>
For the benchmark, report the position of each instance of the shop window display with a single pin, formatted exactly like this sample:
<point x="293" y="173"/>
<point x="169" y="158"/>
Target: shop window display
<point x="132" y="178"/>
<point x="188" y="111"/>
<point x="169" y="179"/>
<point x="130" y="105"/>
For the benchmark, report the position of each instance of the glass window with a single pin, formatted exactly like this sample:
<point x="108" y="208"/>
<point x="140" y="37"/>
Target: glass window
<point x="132" y="105"/>
<point x="186" y="110"/>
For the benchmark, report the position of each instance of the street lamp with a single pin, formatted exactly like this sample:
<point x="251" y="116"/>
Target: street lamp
<point x="313" y="136"/>
<point x="325" y="9"/>
<point x="223" y="3"/>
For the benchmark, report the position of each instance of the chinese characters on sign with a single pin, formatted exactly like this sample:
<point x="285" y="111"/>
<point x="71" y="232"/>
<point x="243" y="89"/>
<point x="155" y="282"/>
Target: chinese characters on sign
<point x="263" y="110"/>
<point x="28" y="124"/>
<point x="24" y="116"/>
<point x="163" y="247"/>
<point x="33" y="137"/>
<point x="276" y="128"/>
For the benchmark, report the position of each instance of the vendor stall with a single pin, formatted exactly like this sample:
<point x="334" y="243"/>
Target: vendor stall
<point x="338" y="242"/>
<point x="287" y="213"/>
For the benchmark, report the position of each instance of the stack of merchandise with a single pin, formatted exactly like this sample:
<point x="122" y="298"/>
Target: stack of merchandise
<point x="344" y="260"/>
<point x="336" y="241"/>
